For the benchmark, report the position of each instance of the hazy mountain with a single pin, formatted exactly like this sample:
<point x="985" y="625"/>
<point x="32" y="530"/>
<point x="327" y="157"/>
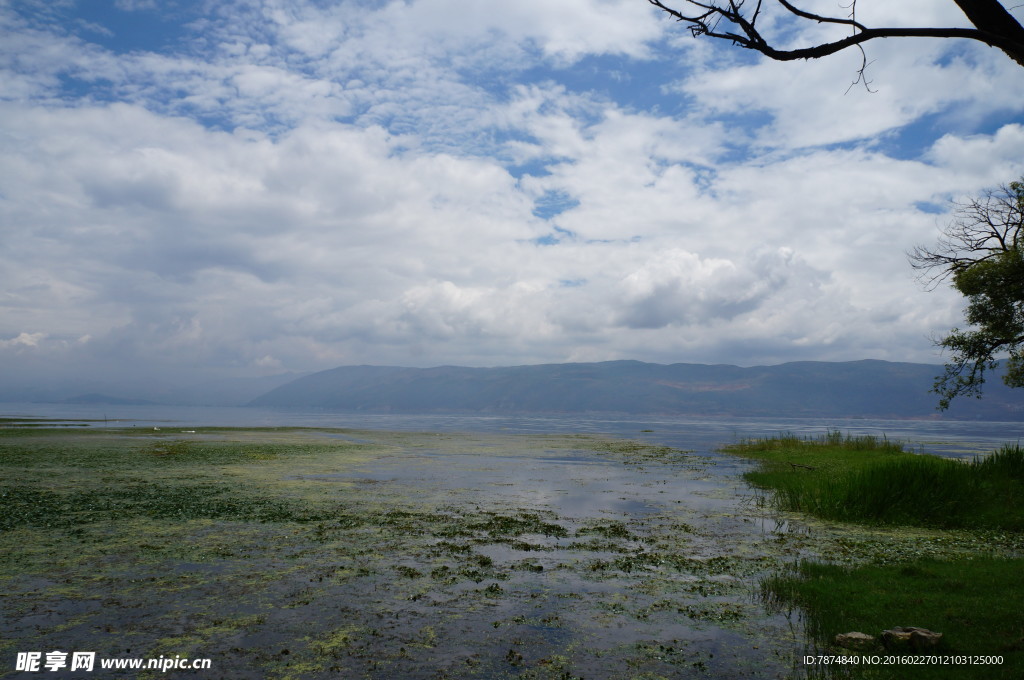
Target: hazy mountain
<point x="848" y="389"/>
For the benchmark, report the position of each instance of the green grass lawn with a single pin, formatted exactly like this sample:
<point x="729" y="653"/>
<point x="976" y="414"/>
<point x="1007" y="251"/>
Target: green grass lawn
<point x="975" y="603"/>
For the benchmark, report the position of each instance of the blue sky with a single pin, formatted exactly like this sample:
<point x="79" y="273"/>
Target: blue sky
<point x="196" y="190"/>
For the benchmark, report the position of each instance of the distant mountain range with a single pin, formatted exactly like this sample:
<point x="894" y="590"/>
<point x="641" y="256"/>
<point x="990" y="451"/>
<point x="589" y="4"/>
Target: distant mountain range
<point x="869" y="388"/>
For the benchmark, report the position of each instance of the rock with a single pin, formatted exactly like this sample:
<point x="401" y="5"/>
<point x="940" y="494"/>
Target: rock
<point x="910" y="638"/>
<point x="855" y="641"/>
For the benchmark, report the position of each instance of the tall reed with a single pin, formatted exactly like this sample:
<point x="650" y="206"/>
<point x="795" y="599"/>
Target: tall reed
<point x="874" y="481"/>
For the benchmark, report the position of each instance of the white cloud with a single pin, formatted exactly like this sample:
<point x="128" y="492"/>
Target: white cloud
<point x="301" y="186"/>
<point x="679" y="288"/>
<point x="135" y="5"/>
<point x="23" y="340"/>
<point x="564" y="30"/>
<point x="981" y="160"/>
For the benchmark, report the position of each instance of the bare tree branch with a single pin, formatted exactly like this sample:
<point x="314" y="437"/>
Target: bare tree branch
<point x="982" y="228"/>
<point x="825" y="20"/>
<point x="993" y="26"/>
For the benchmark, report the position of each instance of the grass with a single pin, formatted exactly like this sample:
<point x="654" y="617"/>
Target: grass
<point x="877" y="482"/>
<point x="974" y="602"/>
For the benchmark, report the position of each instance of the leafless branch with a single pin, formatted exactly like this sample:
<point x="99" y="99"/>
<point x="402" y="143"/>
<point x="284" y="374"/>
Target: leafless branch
<point x="981" y="229"/>
<point x="728" y="20"/>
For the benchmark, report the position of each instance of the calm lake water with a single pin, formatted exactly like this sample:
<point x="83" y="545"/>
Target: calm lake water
<point x="702" y="434"/>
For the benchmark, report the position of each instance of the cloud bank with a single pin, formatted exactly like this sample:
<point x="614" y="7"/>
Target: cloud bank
<point x="251" y="187"/>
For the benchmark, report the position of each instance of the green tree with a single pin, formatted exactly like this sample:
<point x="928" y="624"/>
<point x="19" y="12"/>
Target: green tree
<point x="982" y="251"/>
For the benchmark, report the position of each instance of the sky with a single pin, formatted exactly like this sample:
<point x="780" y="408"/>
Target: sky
<point x="202" y="190"/>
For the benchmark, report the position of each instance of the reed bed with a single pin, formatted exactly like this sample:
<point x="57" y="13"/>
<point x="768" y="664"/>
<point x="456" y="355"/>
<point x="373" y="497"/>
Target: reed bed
<point x="872" y="480"/>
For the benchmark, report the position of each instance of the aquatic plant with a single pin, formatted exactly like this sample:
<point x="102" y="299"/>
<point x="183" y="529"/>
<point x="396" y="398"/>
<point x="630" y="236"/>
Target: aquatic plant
<point x="877" y="481"/>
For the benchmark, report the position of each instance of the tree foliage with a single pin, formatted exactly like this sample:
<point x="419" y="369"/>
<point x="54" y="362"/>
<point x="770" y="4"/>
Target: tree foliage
<point x="982" y="251"/>
<point x="740" y="21"/>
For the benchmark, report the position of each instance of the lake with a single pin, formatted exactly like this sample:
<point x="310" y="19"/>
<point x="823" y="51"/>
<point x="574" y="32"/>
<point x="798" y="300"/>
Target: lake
<point x="698" y="433"/>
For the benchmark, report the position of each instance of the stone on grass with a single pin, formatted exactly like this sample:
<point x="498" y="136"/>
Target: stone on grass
<point x="855" y="641"/>
<point x="910" y="638"/>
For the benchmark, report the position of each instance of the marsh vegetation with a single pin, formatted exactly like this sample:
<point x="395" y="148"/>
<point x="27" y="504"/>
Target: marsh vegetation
<point x="876" y="481"/>
<point x="319" y="553"/>
<point x="973" y="599"/>
<point x="286" y="553"/>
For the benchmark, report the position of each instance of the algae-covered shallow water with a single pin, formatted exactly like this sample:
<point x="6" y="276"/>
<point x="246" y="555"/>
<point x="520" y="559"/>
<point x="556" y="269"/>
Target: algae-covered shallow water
<point x="343" y="553"/>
